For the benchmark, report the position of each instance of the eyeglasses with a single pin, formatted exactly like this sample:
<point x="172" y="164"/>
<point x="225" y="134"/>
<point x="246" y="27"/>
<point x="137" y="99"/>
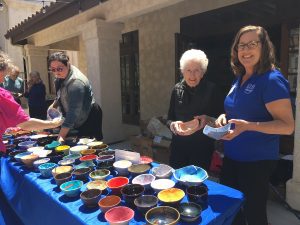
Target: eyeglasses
<point x="249" y="45"/>
<point x="58" y="69"/>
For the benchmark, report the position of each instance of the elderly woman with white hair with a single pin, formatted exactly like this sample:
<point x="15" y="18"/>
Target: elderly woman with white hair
<point x="191" y="97"/>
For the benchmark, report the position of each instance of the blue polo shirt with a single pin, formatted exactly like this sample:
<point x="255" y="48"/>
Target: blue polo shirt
<point x="248" y="102"/>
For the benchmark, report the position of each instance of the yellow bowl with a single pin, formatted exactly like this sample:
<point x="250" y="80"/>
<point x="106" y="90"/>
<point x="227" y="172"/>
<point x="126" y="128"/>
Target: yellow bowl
<point x="62" y="169"/>
<point x="171" y="196"/>
<point x="63" y="148"/>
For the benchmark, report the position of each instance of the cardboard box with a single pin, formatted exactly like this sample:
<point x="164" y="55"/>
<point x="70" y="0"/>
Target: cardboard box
<point x="161" y="155"/>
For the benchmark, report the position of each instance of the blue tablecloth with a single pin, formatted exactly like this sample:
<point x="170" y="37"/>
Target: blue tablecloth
<point x="38" y="200"/>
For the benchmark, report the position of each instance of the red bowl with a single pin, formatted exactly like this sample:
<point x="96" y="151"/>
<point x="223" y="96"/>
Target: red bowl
<point x="88" y="158"/>
<point x="116" y="184"/>
<point x="119" y="215"/>
<point x="146" y="160"/>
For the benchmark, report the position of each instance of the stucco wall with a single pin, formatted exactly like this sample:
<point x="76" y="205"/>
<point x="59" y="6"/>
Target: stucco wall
<point x="157" y="51"/>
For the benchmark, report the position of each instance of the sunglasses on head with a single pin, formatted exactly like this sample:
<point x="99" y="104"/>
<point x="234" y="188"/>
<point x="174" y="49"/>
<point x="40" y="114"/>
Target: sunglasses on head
<point x="58" y="69"/>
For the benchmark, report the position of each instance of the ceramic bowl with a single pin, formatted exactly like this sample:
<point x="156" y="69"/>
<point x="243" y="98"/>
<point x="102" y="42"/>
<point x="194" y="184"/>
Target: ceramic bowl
<point x="171" y="196"/>
<point x="61" y="169"/>
<point x="97" y="184"/>
<point x="29" y="159"/>
<point x="82" y="173"/>
<point x="90" y="197"/>
<point x="146" y="160"/>
<point x="145" y="202"/>
<point x="61" y="178"/>
<point x="116" y="184"/>
<point x="9" y="147"/>
<point x="197" y="194"/>
<point x="12" y="154"/>
<point x="166" y="215"/>
<point x="86" y="164"/>
<point x="99" y="174"/>
<point x="162" y="171"/>
<point x="71" y="141"/>
<point x="34" y="149"/>
<point x="40" y="151"/>
<point x="36" y="137"/>
<point x="88" y="158"/>
<point x="26" y="144"/>
<point x="144" y="179"/>
<point x="39" y="162"/>
<point x="66" y="162"/>
<point x="189" y="211"/>
<point x="46" y="168"/>
<point x="109" y="202"/>
<point x="85" y="141"/>
<point x="131" y="192"/>
<point x="88" y="152"/>
<point x="105" y="161"/>
<point x="55" y="157"/>
<point x="44" y="141"/>
<point x="162" y="184"/>
<point x="108" y="152"/>
<point x="75" y="156"/>
<point x="95" y="144"/>
<point x="138" y="169"/>
<point x="52" y="145"/>
<point x="20" y="155"/>
<point x="120" y="215"/>
<point x="71" y="188"/>
<point x="78" y="149"/>
<point x="190" y="175"/>
<point x="122" y="166"/>
<point x="63" y="148"/>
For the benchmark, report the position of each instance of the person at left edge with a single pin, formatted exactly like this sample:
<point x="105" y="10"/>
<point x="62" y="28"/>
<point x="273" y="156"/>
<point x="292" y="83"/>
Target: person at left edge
<point x="75" y="98"/>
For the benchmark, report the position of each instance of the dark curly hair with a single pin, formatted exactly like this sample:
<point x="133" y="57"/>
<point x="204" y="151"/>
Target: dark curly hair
<point x="267" y="58"/>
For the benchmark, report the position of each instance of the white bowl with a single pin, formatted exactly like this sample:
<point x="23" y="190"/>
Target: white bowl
<point x="162" y="171"/>
<point x="162" y="184"/>
<point x="122" y="166"/>
<point x="78" y="149"/>
<point x="144" y="179"/>
<point x="34" y="149"/>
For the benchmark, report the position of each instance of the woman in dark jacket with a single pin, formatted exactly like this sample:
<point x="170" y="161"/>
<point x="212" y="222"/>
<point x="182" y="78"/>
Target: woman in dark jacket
<point x="191" y="97"/>
<point x="36" y="93"/>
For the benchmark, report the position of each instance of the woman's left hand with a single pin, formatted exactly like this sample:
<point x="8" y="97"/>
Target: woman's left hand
<point x="240" y="127"/>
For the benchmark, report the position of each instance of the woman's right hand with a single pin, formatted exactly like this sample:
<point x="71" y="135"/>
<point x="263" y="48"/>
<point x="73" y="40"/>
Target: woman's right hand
<point x="221" y="121"/>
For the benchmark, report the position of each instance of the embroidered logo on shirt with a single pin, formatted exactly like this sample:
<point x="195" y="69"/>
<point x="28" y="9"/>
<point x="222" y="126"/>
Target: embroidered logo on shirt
<point x="249" y="88"/>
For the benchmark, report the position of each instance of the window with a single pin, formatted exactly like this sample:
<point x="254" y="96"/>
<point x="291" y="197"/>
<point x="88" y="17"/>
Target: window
<point x="130" y="83"/>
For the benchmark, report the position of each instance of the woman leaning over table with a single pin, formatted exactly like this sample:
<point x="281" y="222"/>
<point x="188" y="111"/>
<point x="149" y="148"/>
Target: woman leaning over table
<point x="12" y="114"/>
<point x="191" y="97"/>
<point x="75" y="98"/>
<point x="259" y="107"/>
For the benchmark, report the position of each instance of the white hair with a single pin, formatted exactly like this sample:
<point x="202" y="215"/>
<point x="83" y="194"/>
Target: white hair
<point x="196" y="56"/>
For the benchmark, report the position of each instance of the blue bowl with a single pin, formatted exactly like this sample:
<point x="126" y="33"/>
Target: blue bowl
<point x="26" y="144"/>
<point x="190" y="175"/>
<point x="20" y="155"/>
<point x="46" y="169"/>
<point x="71" y="188"/>
<point x="75" y="156"/>
<point x="39" y="162"/>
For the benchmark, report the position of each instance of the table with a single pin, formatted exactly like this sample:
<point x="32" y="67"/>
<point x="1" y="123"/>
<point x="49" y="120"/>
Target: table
<point x="38" y="200"/>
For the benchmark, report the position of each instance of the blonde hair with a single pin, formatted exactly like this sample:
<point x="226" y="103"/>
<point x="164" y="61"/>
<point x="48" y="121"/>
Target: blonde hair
<point x="5" y="61"/>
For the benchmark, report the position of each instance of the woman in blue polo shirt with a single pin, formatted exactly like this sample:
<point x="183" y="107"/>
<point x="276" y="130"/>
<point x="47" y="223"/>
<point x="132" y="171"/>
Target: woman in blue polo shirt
<point x="259" y="107"/>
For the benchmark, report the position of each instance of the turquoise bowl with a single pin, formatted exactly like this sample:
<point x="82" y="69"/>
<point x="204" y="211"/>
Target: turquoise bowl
<point x="46" y="169"/>
<point x="75" y="156"/>
<point x="71" y="188"/>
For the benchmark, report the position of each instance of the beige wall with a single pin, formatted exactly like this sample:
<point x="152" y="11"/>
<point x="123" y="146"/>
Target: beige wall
<point x="157" y="51"/>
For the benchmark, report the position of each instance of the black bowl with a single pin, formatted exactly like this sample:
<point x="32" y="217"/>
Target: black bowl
<point x="162" y="215"/>
<point x="145" y="202"/>
<point x="81" y="173"/>
<point x="130" y="192"/>
<point x="197" y="194"/>
<point x="91" y="197"/>
<point x="189" y="211"/>
<point x="55" y="156"/>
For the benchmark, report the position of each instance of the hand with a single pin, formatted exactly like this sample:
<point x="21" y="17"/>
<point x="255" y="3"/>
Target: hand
<point x="60" y="139"/>
<point x="240" y="127"/>
<point x="175" y="127"/>
<point x="204" y="120"/>
<point x="56" y="122"/>
<point x="221" y="120"/>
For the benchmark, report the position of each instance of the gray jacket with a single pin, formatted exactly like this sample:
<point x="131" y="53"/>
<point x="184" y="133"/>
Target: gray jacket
<point x="76" y="98"/>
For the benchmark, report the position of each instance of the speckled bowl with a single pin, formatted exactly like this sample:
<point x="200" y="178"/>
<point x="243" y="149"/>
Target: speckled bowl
<point x="97" y="184"/>
<point x="46" y="168"/>
<point x="99" y="174"/>
<point x="71" y="188"/>
<point x="61" y="169"/>
<point x="39" y="162"/>
<point x="91" y="197"/>
<point x="138" y="169"/>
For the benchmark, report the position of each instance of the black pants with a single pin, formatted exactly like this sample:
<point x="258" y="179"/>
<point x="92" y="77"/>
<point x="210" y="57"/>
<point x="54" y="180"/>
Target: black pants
<point x="38" y="112"/>
<point x="196" y="150"/>
<point x="252" y="178"/>
<point x="92" y="127"/>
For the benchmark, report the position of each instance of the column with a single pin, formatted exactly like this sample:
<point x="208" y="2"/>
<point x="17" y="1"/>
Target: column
<point x="293" y="185"/>
<point x="36" y="59"/>
<point x="101" y="40"/>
